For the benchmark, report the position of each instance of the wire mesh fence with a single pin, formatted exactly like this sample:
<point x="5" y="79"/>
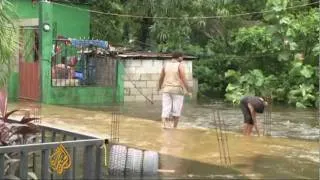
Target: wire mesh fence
<point x="267" y="121"/>
<point x="114" y="127"/>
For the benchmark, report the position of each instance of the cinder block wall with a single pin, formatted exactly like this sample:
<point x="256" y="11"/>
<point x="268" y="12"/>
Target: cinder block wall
<point x="143" y="75"/>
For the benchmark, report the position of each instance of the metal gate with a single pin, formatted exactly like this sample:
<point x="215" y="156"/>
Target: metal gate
<point x="29" y="66"/>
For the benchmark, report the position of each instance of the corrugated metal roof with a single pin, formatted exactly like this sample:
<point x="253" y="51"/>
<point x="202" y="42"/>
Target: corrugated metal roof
<point x="148" y="55"/>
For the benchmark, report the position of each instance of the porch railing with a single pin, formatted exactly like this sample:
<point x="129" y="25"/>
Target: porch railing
<point x="85" y="152"/>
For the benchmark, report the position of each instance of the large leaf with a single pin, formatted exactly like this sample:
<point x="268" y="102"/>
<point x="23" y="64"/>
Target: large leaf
<point x="27" y="120"/>
<point x="295" y="70"/>
<point x="9" y="113"/>
<point x="295" y="92"/>
<point x="285" y="20"/>
<point x="284" y="56"/>
<point x="272" y="29"/>
<point x="244" y="78"/>
<point x="232" y="73"/>
<point x="316" y="50"/>
<point x="300" y="105"/>
<point x="307" y="71"/>
<point x="231" y="87"/>
<point x="259" y="82"/>
<point x="293" y="46"/>
<point x="258" y="77"/>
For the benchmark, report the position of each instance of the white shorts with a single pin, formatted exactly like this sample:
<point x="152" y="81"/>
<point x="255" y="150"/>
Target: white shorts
<point x="171" y="105"/>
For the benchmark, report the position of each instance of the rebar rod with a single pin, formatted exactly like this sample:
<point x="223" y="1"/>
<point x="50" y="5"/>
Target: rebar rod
<point x="218" y="138"/>
<point x="226" y="139"/>
<point x="222" y="139"/>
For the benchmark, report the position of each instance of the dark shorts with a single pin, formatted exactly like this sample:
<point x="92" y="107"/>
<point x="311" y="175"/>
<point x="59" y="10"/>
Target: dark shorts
<point x="246" y="113"/>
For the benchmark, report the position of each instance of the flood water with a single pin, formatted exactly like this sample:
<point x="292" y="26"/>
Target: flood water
<point x="192" y="150"/>
<point x="287" y="122"/>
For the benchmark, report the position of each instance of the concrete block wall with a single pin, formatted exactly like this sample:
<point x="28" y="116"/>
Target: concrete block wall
<point x="141" y="78"/>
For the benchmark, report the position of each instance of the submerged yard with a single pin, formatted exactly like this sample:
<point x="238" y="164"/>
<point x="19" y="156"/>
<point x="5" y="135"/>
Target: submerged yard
<point x="192" y="151"/>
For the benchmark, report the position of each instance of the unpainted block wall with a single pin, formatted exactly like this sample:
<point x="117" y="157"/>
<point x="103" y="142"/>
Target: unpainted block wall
<point x="141" y="78"/>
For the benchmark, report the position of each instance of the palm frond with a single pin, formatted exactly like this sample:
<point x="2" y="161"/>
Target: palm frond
<point x="8" y="40"/>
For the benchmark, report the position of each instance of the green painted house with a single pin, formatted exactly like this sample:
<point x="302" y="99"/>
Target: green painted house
<point x="35" y="77"/>
<point x="57" y="64"/>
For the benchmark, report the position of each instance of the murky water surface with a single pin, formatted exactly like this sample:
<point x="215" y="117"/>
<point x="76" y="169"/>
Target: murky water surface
<point x="192" y="151"/>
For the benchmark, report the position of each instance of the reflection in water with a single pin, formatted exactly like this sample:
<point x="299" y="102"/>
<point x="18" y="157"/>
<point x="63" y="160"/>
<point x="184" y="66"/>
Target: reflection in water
<point x="192" y="150"/>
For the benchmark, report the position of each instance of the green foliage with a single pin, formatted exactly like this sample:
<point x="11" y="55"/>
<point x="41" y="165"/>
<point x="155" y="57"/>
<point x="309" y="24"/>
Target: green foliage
<point x="7" y="41"/>
<point x="210" y="73"/>
<point x="285" y="36"/>
<point x="302" y="95"/>
<point x="107" y="28"/>
<point x="303" y="80"/>
<point x="272" y="53"/>
<point x="251" y="83"/>
<point x="255" y="39"/>
<point x="298" y="88"/>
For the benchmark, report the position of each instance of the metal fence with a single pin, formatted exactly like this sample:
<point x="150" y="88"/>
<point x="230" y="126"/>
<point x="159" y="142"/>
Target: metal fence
<point x="267" y="121"/>
<point x="85" y="152"/>
<point x="89" y="157"/>
<point x="72" y="66"/>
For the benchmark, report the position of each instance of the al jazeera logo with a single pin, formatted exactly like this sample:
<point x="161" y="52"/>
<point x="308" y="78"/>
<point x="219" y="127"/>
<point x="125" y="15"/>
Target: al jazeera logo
<point x="60" y="160"/>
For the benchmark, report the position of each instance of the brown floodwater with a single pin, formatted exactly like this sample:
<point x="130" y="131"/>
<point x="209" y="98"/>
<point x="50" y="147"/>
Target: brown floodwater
<point x="192" y="150"/>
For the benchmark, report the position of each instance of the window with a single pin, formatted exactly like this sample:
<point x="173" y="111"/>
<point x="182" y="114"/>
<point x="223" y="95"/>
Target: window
<point x="77" y="66"/>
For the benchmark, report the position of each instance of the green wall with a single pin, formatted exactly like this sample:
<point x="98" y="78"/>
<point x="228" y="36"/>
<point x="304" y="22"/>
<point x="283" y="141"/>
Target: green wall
<point x="89" y="95"/>
<point x="45" y="16"/>
<point x="81" y="95"/>
<point x="25" y="9"/>
<point x="13" y="86"/>
<point x="120" y="82"/>
<point x="72" y="23"/>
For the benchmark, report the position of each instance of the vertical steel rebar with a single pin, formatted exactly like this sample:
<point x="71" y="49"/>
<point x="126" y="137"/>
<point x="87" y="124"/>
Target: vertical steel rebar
<point x="217" y="133"/>
<point x="267" y="124"/>
<point x="222" y="138"/>
<point x="118" y="127"/>
<point x="227" y="143"/>
<point x="115" y="123"/>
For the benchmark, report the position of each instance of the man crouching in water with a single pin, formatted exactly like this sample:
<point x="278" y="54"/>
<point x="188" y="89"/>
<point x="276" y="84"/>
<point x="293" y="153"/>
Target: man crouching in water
<point x="250" y="105"/>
